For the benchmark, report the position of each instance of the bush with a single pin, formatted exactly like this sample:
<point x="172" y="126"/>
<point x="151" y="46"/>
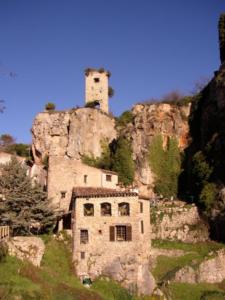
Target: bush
<point x="208" y="195"/>
<point x="92" y="104"/>
<point x="125" y="118"/>
<point x="50" y="106"/>
<point x="111" y="92"/>
<point x="3" y="251"/>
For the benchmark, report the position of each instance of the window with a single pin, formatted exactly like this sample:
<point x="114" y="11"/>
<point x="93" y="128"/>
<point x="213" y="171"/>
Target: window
<point x="96" y="79"/>
<point x="82" y="255"/>
<point x="84" y="236"/>
<point x="108" y="177"/>
<point x="106" y="209"/>
<point x="142" y="227"/>
<point x="120" y="233"/>
<point x="63" y="194"/>
<point x="88" y="209"/>
<point x="141" y="207"/>
<point x="85" y="178"/>
<point x="124" y="209"/>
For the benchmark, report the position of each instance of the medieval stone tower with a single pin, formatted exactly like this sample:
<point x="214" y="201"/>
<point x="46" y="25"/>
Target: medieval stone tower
<point x="96" y="87"/>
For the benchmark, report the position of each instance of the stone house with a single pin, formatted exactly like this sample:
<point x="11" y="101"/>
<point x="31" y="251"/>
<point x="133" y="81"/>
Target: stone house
<point x="111" y="234"/>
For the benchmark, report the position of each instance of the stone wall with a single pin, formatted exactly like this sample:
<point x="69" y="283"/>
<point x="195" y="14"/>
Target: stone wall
<point x="125" y="261"/>
<point x="175" y="220"/>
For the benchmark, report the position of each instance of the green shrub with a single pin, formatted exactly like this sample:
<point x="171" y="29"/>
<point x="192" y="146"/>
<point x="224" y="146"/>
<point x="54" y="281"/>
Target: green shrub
<point x="3" y="251"/>
<point x="125" y="118"/>
<point x="50" y="106"/>
<point x="111" y="92"/>
<point x="92" y="104"/>
<point x="208" y="195"/>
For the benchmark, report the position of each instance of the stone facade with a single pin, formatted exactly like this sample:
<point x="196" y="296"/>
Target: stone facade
<point x="96" y="88"/>
<point x="116" y="245"/>
<point x="64" y="174"/>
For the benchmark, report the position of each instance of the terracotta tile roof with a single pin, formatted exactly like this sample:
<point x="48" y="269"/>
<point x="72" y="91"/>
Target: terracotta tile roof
<point x="81" y="192"/>
<point x="109" y="172"/>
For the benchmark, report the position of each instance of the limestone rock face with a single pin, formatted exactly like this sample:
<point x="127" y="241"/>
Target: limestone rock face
<point x="149" y="120"/>
<point x="27" y="248"/>
<point x="71" y="133"/>
<point x="211" y="270"/>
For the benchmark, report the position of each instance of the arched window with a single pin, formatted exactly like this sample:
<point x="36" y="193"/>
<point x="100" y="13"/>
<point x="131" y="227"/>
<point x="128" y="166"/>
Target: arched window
<point x="124" y="209"/>
<point x="88" y="209"/>
<point x="106" y="209"/>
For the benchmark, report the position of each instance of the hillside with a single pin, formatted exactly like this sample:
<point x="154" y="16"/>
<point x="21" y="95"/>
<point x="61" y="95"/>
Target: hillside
<point x="55" y="279"/>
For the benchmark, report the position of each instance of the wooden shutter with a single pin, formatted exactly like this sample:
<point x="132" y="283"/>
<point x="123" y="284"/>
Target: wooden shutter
<point x="111" y="233"/>
<point x="129" y="233"/>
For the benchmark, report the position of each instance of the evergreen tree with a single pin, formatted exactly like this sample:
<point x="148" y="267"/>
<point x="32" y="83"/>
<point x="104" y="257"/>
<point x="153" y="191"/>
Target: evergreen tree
<point x="23" y="205"/>
<point x="221" y="26"/>
<point x="122" y="161"/>
<point x="166" y="165"/>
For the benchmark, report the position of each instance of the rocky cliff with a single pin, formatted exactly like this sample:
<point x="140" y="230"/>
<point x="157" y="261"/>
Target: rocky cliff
<point x="81" y="132"/>
<point x="71" y="133"/>
<point x="205" y="155"/>
<point x="168" y="120"/>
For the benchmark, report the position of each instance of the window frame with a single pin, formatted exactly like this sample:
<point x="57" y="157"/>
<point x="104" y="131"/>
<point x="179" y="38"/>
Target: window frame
<point x="84" y="236"/>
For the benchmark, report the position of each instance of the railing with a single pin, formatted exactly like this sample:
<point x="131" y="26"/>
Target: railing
<point x="4" y="233"/>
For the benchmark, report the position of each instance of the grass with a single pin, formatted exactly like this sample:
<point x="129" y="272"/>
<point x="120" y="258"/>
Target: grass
<point x="201" y="291"/>
<point x="166" y="268"/>
<point x="55" y="279"/>
<point x="193" y="255"/>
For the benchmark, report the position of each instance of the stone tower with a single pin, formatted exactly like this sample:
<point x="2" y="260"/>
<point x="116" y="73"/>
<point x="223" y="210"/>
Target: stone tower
<point x="96" y="87"/>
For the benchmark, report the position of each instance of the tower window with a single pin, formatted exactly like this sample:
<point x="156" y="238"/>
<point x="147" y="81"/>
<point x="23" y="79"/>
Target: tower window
<point x="142" y="227"/>
<point x="82" y="255"/>
<point x="84" y="236"/>
<point x="108" y="177"/>
<point x="85" y="178"/>
<point x="141" y="207"/>
<point x="96" y="79"/>
<point x="63" y="194"/>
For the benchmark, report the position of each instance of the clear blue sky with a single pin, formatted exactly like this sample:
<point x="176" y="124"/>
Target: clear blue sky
<point x="150" y="46"/>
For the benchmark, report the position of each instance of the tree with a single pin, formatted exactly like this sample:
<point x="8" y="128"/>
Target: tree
<point x="111" y="92"/>
<point x="221" y="27"/>
<point x="6" y="140"/>
<point x="23" y="205"/>
<point x="50" y="106"/>
<point x="166" y="165"/>
<point x="122" y="161"/>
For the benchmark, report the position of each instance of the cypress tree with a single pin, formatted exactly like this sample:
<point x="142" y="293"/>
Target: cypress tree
<point x="23" y="205"/>
<point x="122" y="161"/>
<point x="221" y="27"/>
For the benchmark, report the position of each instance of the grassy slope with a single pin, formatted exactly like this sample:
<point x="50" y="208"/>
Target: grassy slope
<point x="193" y="255"/>
<point x="54" y="280"/>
